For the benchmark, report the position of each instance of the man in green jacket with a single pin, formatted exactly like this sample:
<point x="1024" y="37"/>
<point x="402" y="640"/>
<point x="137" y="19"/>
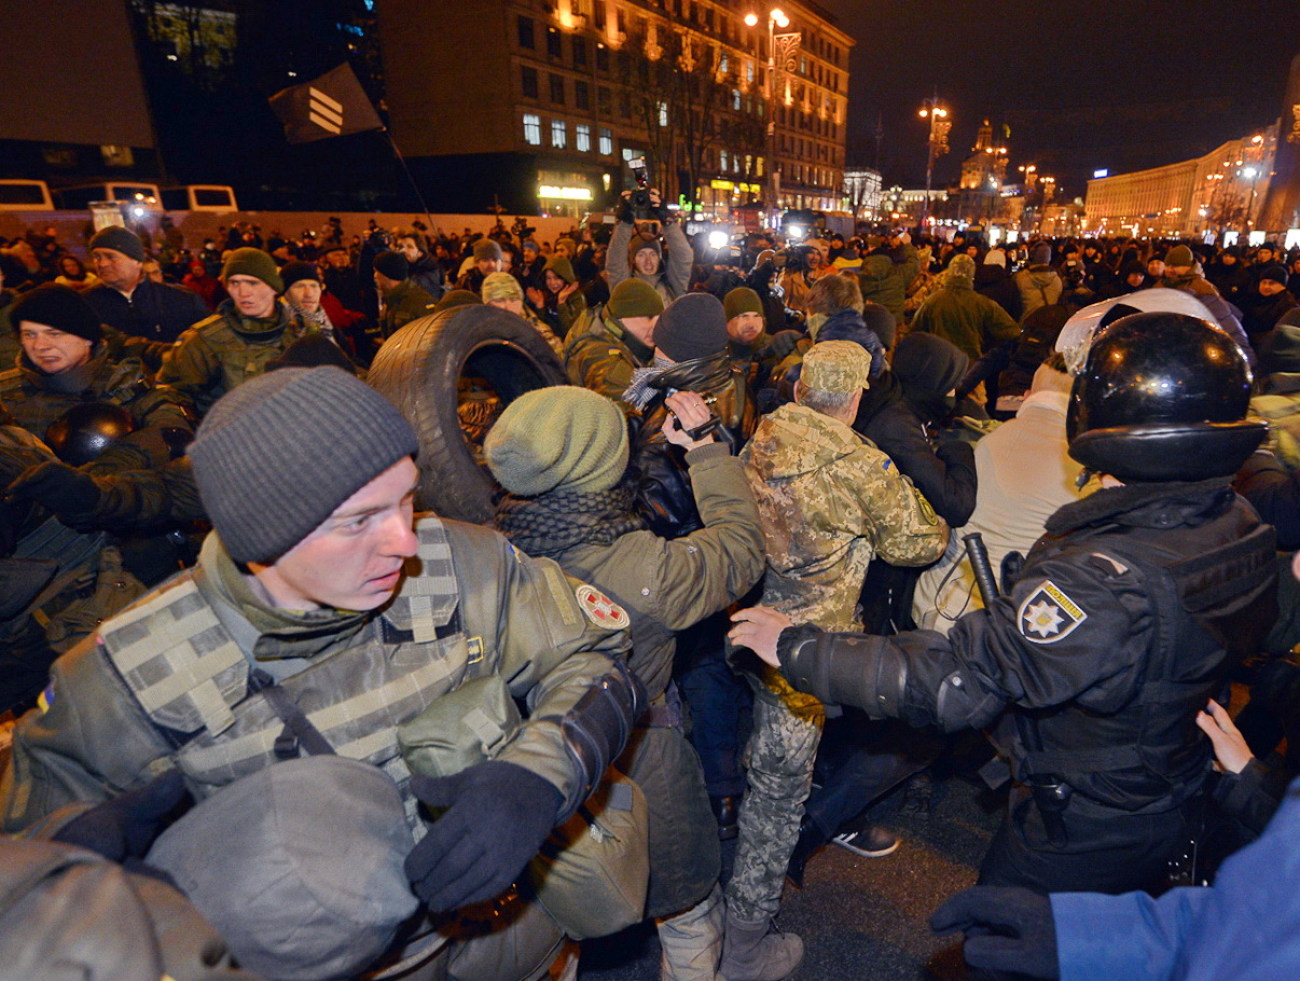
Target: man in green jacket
<point x="233" y="345"/>
<point x="561" y="452"/>
<point x="608" y="343"/>
<point x="403" y="301"/>
<point x="321" y="617"/>
<point x="958" y="314"/>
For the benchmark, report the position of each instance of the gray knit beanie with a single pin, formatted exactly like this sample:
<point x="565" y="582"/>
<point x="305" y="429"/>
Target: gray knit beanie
<point x="119" y="239"/>
<point x="562" y="438"/>
<point x="693" y="326"/>
<point x="275" y="456"/>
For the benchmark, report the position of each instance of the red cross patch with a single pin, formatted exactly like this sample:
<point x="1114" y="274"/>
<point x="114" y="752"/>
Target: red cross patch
<point x="600" y="609"/>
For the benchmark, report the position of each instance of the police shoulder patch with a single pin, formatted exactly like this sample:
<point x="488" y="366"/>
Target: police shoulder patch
<point x="1048" y="615"/>
<point x="600" y="609"/>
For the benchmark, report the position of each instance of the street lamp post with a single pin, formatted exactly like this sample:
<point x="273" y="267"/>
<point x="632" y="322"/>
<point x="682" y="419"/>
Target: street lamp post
<point x="776" y="17"/>
<point x="937" y="144"/>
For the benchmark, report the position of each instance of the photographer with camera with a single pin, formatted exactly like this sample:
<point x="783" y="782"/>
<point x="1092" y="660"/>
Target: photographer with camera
<point x="636" y="249"/>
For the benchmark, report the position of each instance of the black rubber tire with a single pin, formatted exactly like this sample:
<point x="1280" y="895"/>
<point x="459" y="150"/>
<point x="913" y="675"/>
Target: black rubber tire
<point x="418" y="369"/>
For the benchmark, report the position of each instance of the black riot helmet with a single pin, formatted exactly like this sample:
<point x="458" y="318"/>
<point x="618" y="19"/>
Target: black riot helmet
<point x="87" y="430"/>
<point x="1162" y="396"/>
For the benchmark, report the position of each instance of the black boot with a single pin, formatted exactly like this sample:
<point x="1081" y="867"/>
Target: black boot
<point x="811" y="839"/>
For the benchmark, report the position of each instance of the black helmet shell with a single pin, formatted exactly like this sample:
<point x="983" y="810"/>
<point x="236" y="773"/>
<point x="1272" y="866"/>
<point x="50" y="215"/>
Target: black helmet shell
<point x="1162" y="396"/>
<point x="85" y="431"/>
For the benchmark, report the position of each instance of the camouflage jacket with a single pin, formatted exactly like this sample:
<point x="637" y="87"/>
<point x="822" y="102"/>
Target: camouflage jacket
<point x="167" y="682"/>
<point x="599" y="354"/>
<point x="36" y="399"/>
<point x="830" y="502"/>
<point x="224" y="351"/>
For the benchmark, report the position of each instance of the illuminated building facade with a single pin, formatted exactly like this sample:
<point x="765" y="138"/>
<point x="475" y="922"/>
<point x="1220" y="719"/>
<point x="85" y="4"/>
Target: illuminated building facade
<point x="1215" y="195"/>
<point x="535" y="106"/>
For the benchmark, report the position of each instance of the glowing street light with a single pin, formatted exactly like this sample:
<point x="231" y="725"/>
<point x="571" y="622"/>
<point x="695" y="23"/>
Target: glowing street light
<point x="776" y="17"/>
<point x="935" y="112"/>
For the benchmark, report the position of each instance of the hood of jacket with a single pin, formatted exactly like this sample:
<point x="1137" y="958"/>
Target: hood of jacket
<point x="848" y="325"/>
<point x="794" y="440"/>
<point x="877" y="267"/>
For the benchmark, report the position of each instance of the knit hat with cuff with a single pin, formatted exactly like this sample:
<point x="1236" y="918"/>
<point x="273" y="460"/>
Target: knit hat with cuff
<point x="274" y="457"/>
<point x="58" y="307"/>
<point x="253" y="262"/>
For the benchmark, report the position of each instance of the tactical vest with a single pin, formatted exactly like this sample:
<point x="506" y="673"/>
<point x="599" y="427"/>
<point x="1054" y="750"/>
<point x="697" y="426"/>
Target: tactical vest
<point x="178" y="655"/>
<point x="1209" y="588"/>
<point x="242" y="356"/>
<point x="35" y="409"/>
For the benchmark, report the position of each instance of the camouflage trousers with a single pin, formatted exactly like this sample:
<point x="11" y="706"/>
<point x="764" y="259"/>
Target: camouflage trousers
<point x="779" y="760"/>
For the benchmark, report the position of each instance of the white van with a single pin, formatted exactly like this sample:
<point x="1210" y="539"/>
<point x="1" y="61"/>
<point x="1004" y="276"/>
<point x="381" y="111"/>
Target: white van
<point x="24" y="195"/>
<point x="133" y="194"/>
<point x="200" y="197"/>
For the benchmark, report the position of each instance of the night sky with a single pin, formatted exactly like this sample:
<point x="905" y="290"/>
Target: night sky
<point x="1083" y="86"/>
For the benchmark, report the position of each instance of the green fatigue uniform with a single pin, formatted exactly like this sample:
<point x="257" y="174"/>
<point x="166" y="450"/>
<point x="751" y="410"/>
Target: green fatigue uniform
<point x="177" y="680"/>
<point x="402" y="304"/>
<point x="226" y="350"/>
<point x="968" y="319"/>
<point x="884" y="279"/>
<point x="600" y="355"/>
<point x="829" y="502"/>
<point x="664" y="586"/>
<point x="36" y="399"/>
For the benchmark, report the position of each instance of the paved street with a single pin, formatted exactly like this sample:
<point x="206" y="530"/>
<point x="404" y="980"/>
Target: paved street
<point x="863" y="919"/>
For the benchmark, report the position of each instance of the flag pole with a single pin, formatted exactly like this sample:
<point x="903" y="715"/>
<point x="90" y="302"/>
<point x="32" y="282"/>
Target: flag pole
<point x="410" y="179"/>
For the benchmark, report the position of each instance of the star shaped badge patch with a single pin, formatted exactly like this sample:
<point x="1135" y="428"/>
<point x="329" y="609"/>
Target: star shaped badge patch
<point x="1047" y="615"/>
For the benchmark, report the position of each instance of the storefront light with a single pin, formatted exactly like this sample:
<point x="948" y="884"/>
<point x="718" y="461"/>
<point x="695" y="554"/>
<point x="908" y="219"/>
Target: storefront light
<point x="552" y="192"/>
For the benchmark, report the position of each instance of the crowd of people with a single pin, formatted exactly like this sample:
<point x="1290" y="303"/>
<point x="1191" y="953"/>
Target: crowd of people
<point x="725" y="594"/>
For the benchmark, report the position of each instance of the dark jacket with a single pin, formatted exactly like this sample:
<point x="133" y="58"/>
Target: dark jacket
<point x="657" y="468"/>
<point x="1096" y="647"/>
<point x="943" y="472"/>
<point x="158" y="311"/>
<point x="995" y="282"/>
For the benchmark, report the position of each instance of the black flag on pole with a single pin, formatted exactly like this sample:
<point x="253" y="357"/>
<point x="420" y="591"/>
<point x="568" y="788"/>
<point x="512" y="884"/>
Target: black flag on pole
<point x="332" y="105"/>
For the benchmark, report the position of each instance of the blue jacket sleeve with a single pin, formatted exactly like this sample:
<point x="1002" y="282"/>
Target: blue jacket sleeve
<point x="1246" y="927"/>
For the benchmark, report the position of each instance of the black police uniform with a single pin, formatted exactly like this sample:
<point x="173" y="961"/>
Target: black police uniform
<point x="1117" y="629"/>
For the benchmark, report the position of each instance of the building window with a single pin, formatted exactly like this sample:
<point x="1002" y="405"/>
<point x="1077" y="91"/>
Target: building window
<point x="735" y="99"/>
<point x="526" y="39"/>
<point x="557" y="89"/>
<point x="553" y="43"/>
<point x="663" y="114"/>
<point x="582" y="95"/>
<point x="599" y="15"/>
<point x="606" y="141"/>
<point x="723" y="159"/>
<point x="583" y="137"/>
<point x="532" y="129"/>
<point x="604" y="105"/>
<point x="579" y="52"/>
<point x="528" y="78"/>
<point x="749" y="72"/>
<point x="602" y="58"/>
<point x="723" y="61"/>
<point x="559" y="134"/>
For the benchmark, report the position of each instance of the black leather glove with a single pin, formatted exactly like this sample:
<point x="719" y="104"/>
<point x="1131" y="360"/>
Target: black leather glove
<point x="1007" y="929"/>
<point x="498" y="814"/>
<point x="124" y="827"/>
<point x="57" y="486"/>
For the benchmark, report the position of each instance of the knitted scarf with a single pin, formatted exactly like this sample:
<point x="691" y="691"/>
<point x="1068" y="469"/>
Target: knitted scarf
<point x="551" y="524"/>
